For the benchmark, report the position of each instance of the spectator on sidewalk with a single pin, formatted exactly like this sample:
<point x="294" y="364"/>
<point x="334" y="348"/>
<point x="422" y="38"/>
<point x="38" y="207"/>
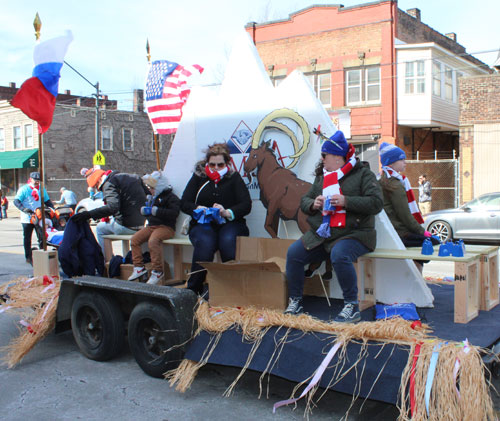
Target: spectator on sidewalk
<point x="424" y="194"/>
<point x="5" y="206"/>
<point x="27" y="200"/>
<point x="123" y="195"/>
<point x="68" y="198"/>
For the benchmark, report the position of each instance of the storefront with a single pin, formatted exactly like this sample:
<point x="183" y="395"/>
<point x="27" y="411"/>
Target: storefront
<point x="15" y="168"/>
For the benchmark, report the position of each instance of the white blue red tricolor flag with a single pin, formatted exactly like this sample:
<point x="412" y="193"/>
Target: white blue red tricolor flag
<point x="166" y="94"/>
<point x="37" y="96"/>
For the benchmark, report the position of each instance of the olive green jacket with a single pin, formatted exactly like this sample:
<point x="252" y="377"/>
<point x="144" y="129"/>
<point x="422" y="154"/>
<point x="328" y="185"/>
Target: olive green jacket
<point x="396" y="207"/>
<point x="363" y="200"/>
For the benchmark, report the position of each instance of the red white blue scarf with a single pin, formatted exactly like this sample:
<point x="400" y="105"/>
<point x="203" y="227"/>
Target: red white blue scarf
<point x="334" y="216"/>
<point x="412" y="203"/>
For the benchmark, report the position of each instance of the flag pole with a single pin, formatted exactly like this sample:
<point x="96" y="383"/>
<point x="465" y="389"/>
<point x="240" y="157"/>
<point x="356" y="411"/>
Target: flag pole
<point x="155" y="135"/>
<point x="37" y="24"/>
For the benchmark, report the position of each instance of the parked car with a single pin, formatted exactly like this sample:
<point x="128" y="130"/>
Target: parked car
<point x="88" y="204"/>
<point x="478" y="220"/>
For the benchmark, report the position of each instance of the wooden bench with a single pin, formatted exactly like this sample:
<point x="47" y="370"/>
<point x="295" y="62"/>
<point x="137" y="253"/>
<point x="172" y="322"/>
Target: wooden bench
<point x="475" y="281"/>
<point x="177" y="243"/>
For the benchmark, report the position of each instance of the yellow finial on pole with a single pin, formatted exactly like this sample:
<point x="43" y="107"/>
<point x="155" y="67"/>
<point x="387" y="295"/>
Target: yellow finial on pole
<point x="37" y="24"/>
<point x="148" y="55"/>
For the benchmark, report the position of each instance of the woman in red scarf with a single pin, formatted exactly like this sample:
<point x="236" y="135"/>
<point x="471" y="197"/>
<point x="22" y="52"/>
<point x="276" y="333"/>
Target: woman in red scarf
<point x="215" y="185"/>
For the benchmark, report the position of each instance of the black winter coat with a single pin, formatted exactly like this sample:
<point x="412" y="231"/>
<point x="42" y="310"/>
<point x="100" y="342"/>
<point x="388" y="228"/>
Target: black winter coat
<point x="124" y="194"/>
<point x="168" y="205"/>
<point x="231" y="192"/>
<point x="79" y="252"/>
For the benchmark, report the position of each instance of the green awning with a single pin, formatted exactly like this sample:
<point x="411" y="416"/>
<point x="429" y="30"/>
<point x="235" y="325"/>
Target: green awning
<point x="19" y="159"/>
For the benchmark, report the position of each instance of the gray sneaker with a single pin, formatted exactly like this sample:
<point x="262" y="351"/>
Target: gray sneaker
<point x="294" y="306"/>
<point x="137" y="273"/>
<point x="349" y="314"/>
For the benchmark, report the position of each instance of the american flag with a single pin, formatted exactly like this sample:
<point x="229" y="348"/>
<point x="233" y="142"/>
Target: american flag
<point x="166" y="94"/>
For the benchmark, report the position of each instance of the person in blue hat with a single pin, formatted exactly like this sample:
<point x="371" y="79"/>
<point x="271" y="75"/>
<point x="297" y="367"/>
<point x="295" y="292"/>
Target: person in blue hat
<point x="399" y="200"/>
<point x="341" y="204"/>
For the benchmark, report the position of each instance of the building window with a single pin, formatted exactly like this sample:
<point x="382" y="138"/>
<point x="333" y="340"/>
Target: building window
<point x="436" y="78"/>
<point x="278" y="80"/>
<point x="321" y="83"/>
<point x="28" y="136"/>
<point x="458" y="75"/>
<point x="363" y="86"/>
<point x="415" y="77"/>
<point x="17" y="137"/>
<point x="128" y="144"/>
<point x="2" y="140"/>
<point x="153" y="148"/>
<point x="106" y="138"/>
<point x="448" y="83"/>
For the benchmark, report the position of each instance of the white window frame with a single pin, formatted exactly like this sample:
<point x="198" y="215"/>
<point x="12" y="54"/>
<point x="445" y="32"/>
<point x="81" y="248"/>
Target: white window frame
<point x="448" y="83"/>
<point x="124" y="129"/>
<point x="110" y="138"/>
<point x="19" y="138"/>
<point x="458" y="75"/>
<point x="28" y="140"/>
<point x="436" y="79"/>
<point x="362" y="86"/>
<point x="2" y="139"/>
<point x="278" y="80"/>
<point x="415" y="77"/>
<point x="322" y="90"/>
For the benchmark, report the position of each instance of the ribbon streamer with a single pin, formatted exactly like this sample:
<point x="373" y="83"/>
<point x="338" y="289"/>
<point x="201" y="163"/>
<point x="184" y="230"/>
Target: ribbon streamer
<point x="466" y="350"/>
<point x="413" y="404"/>
<point x="27" y="326"/>
<point x="430" y="375"/>
<point x="317" y="376"/>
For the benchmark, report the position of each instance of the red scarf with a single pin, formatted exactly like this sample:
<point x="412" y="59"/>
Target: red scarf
<point x="215" y="175"/>
<point x="34" y="193"/>
<point x="412" y="203"/>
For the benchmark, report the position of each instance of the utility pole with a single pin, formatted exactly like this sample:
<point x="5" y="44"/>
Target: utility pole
<point x="97" y="96"/>
<point x="155" y="135"/>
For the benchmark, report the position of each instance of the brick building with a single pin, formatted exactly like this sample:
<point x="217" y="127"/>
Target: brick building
<point x="381" y="73"/>
<point x="125" y="140"/>
<point x="479" y="135"/>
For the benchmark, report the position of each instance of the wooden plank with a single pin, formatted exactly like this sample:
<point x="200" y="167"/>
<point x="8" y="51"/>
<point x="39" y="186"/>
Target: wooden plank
<point x="108" y="249"/>
<point x="416" y="255"/>
<point x="489" y="296"/>
<point x="366" y="283"/>
<point x="466" y="291"/>
<point x="45" y="263"/>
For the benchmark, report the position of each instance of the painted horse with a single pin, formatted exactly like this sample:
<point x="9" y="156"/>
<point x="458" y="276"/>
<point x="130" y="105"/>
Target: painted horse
<point x="280" y="189"/>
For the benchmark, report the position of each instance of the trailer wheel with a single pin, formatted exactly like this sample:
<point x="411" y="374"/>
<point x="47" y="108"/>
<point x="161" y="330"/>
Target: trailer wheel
<point x="98" y="326"/>
<point x="152" y="337"/>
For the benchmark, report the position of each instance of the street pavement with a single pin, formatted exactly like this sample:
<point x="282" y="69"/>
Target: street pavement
<point x="55" y="382"/>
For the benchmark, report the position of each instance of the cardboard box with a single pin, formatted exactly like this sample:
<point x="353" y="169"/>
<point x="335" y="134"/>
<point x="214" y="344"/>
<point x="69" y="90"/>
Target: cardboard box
<point x="256" y="249"/>
<point x="313" y="287"/>
<point x="244" y="284"/>
<point x="126" y="270"/>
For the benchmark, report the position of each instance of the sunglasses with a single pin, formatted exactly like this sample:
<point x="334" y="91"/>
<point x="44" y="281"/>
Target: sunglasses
<point x="217" y="164"/>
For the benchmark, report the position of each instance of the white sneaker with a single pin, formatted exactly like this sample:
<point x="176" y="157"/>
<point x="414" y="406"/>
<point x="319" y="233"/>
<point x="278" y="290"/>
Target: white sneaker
<point x="155" y="277"/>
<point x="137" y="273"/>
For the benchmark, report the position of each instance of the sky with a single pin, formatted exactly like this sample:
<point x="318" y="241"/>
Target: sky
<point x="110" y="35"/>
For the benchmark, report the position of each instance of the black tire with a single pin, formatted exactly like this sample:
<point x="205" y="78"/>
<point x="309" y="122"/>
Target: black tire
<point x="98" y="326"/>
<point x="152" y="332"/>
<point x="442" y="229"/>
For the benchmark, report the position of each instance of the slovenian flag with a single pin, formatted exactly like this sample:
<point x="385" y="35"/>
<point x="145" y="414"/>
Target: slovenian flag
<point x="37" y="96"/>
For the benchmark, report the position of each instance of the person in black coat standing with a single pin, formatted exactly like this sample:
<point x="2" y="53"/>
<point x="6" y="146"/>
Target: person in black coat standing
<point x="161" y="211"/>
<point x="215" y="185"/>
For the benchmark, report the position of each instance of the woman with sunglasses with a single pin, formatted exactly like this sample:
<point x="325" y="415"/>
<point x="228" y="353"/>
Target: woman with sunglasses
<point x="215" y="184"/>
<point x="342" y="204"/>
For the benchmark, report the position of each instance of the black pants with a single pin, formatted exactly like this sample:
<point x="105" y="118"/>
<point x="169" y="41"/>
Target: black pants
<point x="27" y="233"/>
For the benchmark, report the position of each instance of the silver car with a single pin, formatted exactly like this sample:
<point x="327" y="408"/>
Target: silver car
<point x="478" y="220"/>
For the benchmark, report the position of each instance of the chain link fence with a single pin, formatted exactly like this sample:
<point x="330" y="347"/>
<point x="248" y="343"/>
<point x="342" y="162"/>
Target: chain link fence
<point x="443" y="176"/>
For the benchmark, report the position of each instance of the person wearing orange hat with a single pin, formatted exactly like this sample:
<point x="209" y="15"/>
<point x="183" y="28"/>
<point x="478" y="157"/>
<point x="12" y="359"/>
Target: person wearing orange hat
<point x="123" y="195"/>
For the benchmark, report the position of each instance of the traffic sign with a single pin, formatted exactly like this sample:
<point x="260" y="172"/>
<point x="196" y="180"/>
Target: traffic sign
<point x="99" y="159"/>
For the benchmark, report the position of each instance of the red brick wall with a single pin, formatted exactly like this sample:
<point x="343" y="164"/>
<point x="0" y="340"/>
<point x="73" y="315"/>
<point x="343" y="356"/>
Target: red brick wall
<point x="479" y="99"/>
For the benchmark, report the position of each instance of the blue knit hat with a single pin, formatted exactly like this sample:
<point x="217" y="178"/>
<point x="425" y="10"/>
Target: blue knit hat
<point x="390" y="153"/>
<point x="336" y="145"/>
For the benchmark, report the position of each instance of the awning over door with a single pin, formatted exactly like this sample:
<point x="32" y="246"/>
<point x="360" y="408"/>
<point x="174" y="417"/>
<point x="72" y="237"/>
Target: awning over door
<point x="19" y="159"/>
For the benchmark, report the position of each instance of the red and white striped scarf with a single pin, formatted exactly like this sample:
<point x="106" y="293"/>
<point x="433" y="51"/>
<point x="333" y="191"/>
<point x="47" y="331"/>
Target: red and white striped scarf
<point x="412" y="203"/>
<point x="331" y="187"/>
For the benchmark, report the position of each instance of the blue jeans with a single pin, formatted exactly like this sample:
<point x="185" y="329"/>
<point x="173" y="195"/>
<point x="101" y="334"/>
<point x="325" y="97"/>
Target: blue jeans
<point x="343" y="254"/>
<point x="207" y="239"/>
<point x="105" y="228"/>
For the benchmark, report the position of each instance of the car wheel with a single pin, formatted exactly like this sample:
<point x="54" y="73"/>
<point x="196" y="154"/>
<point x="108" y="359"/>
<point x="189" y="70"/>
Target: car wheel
<point x="98" y="326"/>
<point x="154" y="339"/>
<point x="442" y="230"/>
